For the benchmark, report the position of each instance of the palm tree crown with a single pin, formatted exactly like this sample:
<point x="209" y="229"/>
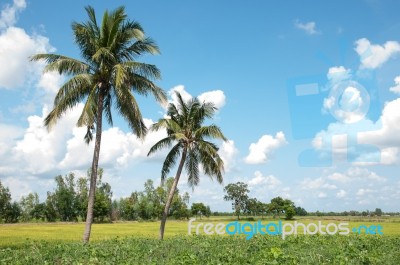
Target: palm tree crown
<point x="184" y="128"/>
<point x="109" y="71"/>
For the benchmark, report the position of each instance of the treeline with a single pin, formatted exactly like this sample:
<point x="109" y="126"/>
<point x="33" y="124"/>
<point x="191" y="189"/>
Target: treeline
<point x="68" y="203"/>
<point x="243" y="204"/>
<point x="376" y="212"/>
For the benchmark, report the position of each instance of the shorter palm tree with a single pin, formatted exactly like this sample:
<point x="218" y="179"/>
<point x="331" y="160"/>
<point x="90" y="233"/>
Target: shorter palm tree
<point x="185" y="130"/>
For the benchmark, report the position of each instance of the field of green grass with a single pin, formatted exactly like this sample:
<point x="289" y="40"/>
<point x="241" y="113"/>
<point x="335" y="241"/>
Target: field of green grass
<point x="137" y="243"/>
<point x="16" y="234"/>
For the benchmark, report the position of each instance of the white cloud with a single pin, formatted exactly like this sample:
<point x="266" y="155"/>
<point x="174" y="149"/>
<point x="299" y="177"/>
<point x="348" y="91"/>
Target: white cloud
<point x="356" y="174"/>
<point x="362" y="192"/>
<point x="374" y="55"/>
<point x="322" y="195"/>
<point x="318" y="183"/>
<point x="8" y="15"/>
<point x="384" y="133"/>
<point x="261" y="151"/>
<point x="308" y="27"/>
<point x="8" y="136"/>
<point x="396" y="87"/>
<point x="341" y="194"/>
<point x="338" y="73"/>
<point x="216" y="96"/>
<point x="264" y="182"/>
<point x="16" y="48"/>
<point x="228" y="153"/>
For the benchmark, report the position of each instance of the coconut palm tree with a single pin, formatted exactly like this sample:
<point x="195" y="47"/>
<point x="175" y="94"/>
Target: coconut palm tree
<point x="184" y="126"/>
<point x="108" y="75"/>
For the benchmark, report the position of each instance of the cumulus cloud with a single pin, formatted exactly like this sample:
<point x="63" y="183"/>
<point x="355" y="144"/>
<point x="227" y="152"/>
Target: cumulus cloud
<point x="338" y="73"/>
<point x="261" y="151"/>
<point x="362" y="192"/>
<point x="217" y="97"/>
<point x="228" y="153"/>
<point x="356" y="174"/>
<point x="341" y="194"/>
<point x="8" y="16"/>
<point x="16" y="48"/>
<point x="396" y="87"/>
<point x="373" y="56"/>
<point x="264" y="182"/>
<point x="308" y="27"/>
<point x="318" y="183"/>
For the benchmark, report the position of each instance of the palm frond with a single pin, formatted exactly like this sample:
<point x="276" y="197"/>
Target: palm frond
<point x="146" y="45"/>
<point x="89" y="111"/>
<point x="165" y="142"/>
<point x="212" y="163"/>
<point x="69" y="95"/>
<point x="129" y="109"/>
<point x="61" y="64"/>
<point x="211" y="131"/>
<point x="170" y="161"/>
<point x="192" y="167"/>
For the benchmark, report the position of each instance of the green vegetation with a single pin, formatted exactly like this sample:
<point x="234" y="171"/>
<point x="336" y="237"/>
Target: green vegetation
<point x="18" y="234"/>
<point x="212" y="250"/>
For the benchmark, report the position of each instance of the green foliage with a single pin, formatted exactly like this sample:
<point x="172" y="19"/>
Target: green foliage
<point x="238" y="193"/>
<point x="300" y="211"/>
<point x="315" y="249"/>
<point x="378" y="211"/>
<point x="289" y="212"/>
<point x="199" y="209"/>
<point x="28" y="204"/>
<point x="5" y="202"/>
<point x="149" y="204"/>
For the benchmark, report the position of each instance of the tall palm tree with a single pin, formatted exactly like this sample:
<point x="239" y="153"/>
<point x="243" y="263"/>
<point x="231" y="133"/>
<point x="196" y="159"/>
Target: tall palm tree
<point x="185" y="130"/>
<point x="108" y="74"/>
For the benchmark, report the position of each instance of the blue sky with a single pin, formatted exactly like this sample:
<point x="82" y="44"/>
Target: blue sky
<point x="308" y="95"/>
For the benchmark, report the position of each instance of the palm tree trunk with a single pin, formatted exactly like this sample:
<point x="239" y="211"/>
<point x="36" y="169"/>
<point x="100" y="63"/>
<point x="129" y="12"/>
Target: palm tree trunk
<point x="95" y="164"/>
<point x="171" y="194"/>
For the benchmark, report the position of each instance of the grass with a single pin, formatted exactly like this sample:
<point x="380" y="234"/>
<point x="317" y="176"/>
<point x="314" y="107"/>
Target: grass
<point x="14" y="235"/>
<point x="137" y="243"/>
<point x="314" y="249"/>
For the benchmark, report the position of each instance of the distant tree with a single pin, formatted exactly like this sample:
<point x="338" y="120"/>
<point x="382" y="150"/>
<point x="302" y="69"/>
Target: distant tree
<point x="252" y="206"/>
<point x="378" y="212"/>
<point x="50" y="208"/>
<point x="5" y="202"/>
<point x="103" y="201"/>
<point x="39" y="211"/>
<point x="199" y="209"/>
<point x="289" y="212"/>
<point x="81" y="195"/>
<point x="277" y="206"/>
<point x="238" y="194"/>
<point x="64" y="195"/>
<point x="300" y="211"/>
<point x="28" y="204"/>
<point x="13" y="213"/>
